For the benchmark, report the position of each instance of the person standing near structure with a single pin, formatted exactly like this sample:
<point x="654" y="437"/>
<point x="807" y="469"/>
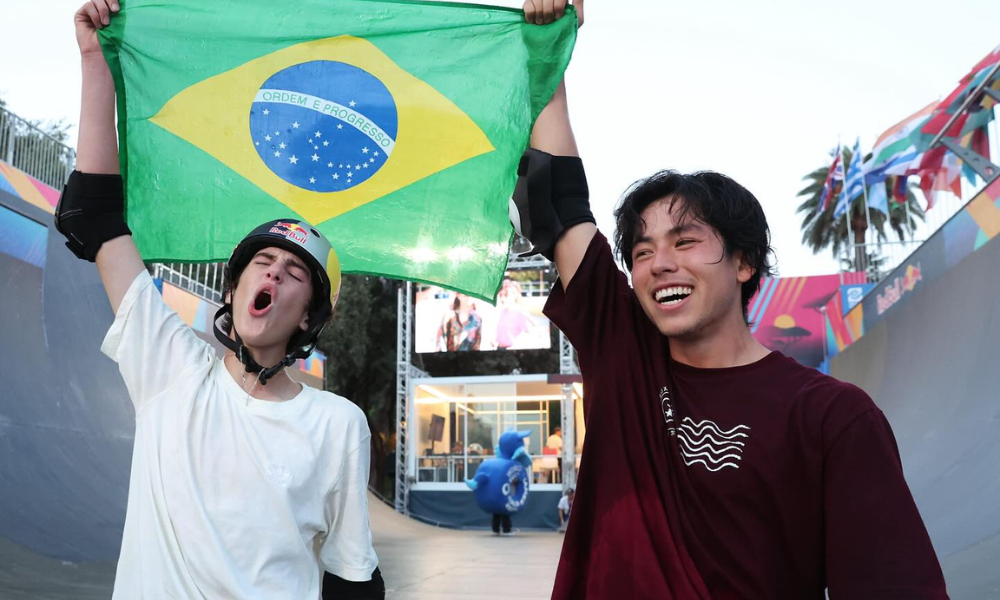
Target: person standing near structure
<point x="244" y="483"/>
<point x="714" y="468"/>
<point x="555" y="441"/>
<point x="565" y="507"/>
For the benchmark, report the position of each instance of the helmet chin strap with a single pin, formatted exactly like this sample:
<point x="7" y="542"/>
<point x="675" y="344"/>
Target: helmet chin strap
<point x="223" y="323"/>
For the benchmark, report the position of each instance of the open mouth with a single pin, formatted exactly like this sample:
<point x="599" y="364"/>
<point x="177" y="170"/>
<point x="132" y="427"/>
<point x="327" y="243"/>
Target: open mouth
<point x="262" y="302"/>
<point x="672" y="296"/>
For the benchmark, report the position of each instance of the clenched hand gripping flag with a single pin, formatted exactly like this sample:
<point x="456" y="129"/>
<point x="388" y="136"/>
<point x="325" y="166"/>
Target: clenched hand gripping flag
<point x="395" y="127"/>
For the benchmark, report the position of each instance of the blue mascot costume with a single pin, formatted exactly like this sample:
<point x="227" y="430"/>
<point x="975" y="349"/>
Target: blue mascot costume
<point x="501" y="484"/>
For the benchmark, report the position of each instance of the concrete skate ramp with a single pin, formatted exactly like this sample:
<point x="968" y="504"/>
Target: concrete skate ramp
<point x="933" y="366"/>
<point x="66" y="423"/>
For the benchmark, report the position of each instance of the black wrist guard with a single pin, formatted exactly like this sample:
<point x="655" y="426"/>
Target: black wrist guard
<point x="90" y="212"/>
<point x="336" y="588"/>
<point x="551" y="196"/>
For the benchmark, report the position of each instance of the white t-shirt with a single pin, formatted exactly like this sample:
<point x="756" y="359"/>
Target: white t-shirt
<point x="555" y="442"/>
<point x="564" y="505"/>
<point x="232" y="497"/>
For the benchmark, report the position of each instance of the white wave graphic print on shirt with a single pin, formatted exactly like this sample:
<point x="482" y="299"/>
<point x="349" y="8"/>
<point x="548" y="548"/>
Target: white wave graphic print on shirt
<point x="707" y="444"/>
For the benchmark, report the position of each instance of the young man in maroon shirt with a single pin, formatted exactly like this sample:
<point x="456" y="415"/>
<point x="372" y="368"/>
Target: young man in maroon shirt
<point x="713" y="467"/>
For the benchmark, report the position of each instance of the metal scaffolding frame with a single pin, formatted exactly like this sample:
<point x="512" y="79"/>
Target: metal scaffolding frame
<point x="404" y="331"/>
<point x="567" y="366"/>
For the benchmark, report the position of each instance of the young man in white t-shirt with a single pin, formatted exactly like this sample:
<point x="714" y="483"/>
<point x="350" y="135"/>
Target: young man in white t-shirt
<point x="244" y="483"/>
<point x="565" y="506"/>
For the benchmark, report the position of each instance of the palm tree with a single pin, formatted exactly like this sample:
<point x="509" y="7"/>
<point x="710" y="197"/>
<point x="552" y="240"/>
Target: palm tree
<point x="820" y="231"/>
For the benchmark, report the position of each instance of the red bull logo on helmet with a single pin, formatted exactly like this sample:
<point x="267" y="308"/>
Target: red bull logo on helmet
<point x="293" y="231"/>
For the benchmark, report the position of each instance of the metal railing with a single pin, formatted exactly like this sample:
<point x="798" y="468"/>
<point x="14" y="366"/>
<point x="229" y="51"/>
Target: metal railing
<point x="877" y="260"/>
<point x="28" y="148"/>
<point x="201" y="279"/>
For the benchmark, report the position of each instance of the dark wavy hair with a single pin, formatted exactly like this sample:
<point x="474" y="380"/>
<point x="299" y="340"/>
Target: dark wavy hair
<point x="712" y="198"/>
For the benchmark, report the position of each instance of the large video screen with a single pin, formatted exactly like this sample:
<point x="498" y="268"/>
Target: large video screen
<point x="447" y="321"/>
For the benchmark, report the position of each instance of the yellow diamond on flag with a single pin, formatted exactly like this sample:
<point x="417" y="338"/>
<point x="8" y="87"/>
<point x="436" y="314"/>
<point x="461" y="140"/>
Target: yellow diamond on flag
<point x="324" y="126"/>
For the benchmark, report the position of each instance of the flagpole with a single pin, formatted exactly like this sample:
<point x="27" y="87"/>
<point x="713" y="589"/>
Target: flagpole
<point x="996" y="133"/>
<point x="864" y="191"/>
<point x="847" y="213"/>
<point x="906" y="204"/>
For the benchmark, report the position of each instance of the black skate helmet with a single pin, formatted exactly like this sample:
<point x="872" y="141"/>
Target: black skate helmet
<point x="306" y="242"/>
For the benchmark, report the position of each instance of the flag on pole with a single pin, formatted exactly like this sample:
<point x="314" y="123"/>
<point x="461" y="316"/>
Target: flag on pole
<point x="854" y="183"/>
<point x="897" y="185"/>
<point x="981" y="71"/>
<point x="834" y="177"/>
<point x="898" y="147"/>
<point x="877" y="198"/>
<point x="395" y="128"/>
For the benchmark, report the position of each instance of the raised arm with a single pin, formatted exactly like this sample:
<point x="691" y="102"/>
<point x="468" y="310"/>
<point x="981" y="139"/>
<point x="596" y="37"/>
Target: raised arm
<point x="90" y="213"/>
<point x="552" y="196"/>
<point x="553" y="134"/>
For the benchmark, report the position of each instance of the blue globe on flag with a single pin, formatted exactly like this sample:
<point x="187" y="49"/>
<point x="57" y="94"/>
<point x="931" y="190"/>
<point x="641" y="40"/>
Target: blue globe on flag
<point x="323" y="126"/>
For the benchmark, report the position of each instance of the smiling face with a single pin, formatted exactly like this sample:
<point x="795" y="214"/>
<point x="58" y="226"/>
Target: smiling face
<point x="686" y="283"/>
<point x="271" y="299"/>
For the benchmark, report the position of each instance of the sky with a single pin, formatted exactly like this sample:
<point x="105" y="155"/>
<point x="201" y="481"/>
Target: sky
<point x="761" y="91"/>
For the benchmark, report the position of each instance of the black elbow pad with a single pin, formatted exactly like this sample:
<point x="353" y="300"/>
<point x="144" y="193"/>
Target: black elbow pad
<point x="551" y="196"/>
<point x="338" y="588"/>
<point x="90" y="212"/>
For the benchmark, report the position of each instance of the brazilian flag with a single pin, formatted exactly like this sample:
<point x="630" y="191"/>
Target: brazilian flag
<point x="394" y="127"/>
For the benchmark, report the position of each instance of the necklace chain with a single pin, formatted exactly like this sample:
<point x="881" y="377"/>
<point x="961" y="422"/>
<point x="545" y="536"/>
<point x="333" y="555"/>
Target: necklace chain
<point x="243" y="382"/>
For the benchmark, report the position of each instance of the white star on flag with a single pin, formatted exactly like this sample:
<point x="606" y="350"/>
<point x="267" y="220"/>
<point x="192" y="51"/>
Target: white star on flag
<point x="282" y="145"/>
<point x="352" y="103"/>
<point x="364" y="165"/>
<point x="256" y="143"/>
<point x="295" y="125"/>
<point x="364" y="150"/>
<point x="336" y="176"/>
<point x="340" y="125"/>
<point x="349" y="174"/>
<point x="341" y="166"/>
<point x="312" y="180"/>
<point x="357" y="167"/>
<point x="326" y="142"/>
<point x="376" y="153"/>
<point x="267" y="138"/>
<point x="329" y="164"/>
<point x="294" y="160"/>
<point x="315" y="157"/>
<point x="266" y="112"/>
<point x="318" y="134"/>
<point x="276" y="153"/>
<point x="277" y="133"/>
<point x="315" y="147"/>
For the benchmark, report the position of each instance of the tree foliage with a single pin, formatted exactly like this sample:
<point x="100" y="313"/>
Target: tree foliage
<point x="822" y="231"/>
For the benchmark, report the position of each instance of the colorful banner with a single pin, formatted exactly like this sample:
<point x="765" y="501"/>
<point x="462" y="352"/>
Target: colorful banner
<point x="27" y="188"/>
<point x="787" y="315"/>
